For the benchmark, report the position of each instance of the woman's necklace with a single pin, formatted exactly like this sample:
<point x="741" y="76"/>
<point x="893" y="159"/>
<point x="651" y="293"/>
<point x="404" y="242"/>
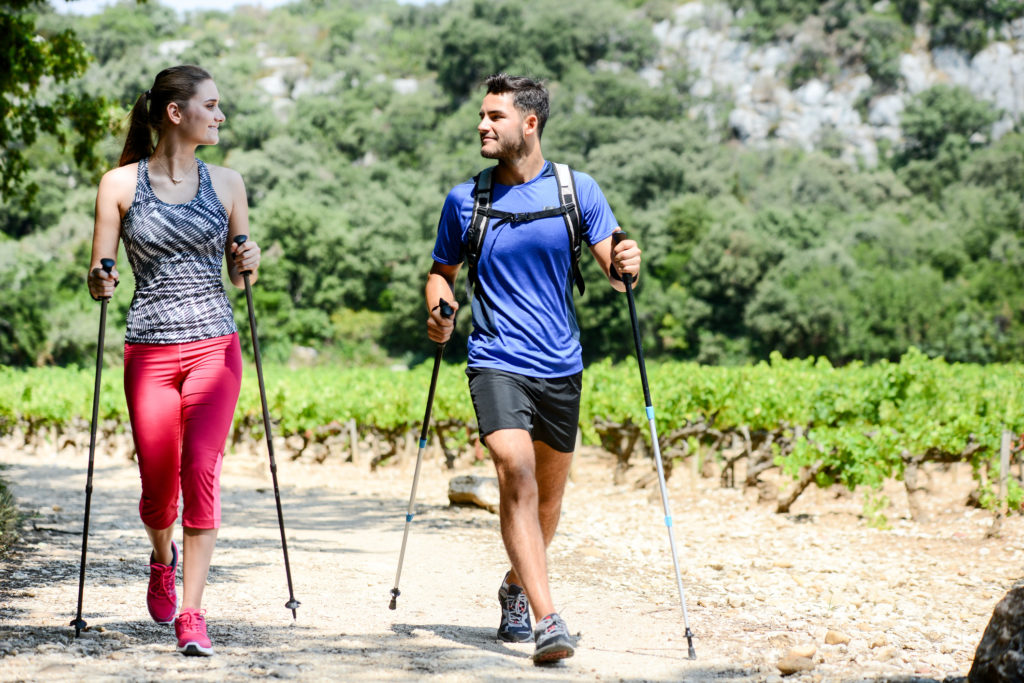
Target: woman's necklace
<point x="178" y="181"/>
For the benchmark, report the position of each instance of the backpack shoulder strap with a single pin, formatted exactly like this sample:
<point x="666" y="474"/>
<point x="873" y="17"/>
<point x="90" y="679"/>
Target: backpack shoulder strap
<point x="483" y="186"/>
<point x="573" y="215"/>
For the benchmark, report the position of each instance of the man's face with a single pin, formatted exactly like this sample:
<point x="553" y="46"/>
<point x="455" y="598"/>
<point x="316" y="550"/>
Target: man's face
<point x="501" y="128"/>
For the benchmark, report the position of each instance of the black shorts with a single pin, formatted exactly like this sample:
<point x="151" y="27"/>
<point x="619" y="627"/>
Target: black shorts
<point x="549" y="409"/>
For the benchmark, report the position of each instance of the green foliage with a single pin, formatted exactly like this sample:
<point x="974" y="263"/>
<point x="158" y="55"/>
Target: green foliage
<point x="944" y="114"/>
<point x="746" y="251"/>
<point x="880" y="40"/>
<point x="764" y="19"/>
<point x="966" y="23"/>
<point x="36" y="96"/>
<point x="478" y="38"/>
<point x="858" y="426"/>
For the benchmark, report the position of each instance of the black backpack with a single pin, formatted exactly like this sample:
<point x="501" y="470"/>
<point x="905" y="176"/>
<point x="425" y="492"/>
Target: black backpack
<point x="569" y="209"/>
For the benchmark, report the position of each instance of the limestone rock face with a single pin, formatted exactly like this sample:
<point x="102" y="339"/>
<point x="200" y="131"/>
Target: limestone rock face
<point x="1000" y="654"/>
<point x="752" y="79"/>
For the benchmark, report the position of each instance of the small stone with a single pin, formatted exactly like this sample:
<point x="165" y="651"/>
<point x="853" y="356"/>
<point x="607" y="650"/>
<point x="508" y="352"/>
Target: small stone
<point x="886" y="654"/>
<point x="791" y="665"/>
<point x="878" y="641"/>
<point x="836" y="638"/>
<point x="806" y="651"/>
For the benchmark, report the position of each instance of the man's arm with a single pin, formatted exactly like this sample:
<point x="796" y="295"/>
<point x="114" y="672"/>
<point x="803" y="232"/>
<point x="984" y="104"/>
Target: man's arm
<point x="614" y="259"/>
<point x="440" y="282"/>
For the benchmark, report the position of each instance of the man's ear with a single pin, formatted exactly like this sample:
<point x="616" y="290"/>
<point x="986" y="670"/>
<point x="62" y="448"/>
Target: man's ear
<point x="530" y="124"/>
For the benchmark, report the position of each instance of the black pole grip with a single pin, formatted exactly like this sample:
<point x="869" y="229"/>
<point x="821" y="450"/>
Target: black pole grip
<point x="617" y="237"/>
<point x="446" y="309"/>
<point x="241" y="239"/>
<point x="108" y="265"/>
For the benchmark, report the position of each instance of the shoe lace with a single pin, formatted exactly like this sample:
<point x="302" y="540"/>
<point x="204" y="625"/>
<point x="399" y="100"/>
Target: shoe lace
<point x="556" y="626"/>
<point x="192" y="620"/>
<point x="518" y="610"/>
<point x="162" y="584"/>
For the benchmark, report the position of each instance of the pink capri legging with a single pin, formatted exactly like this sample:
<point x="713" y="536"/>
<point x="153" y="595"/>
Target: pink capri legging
<point x="181" y="401"/>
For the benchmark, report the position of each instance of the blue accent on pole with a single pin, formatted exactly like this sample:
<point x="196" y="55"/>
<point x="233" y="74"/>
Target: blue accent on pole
<point x="423" y="443"/>
<point x="408" y="518"/>
<point x="668" y="521"/>
<point x="650" y="412"/>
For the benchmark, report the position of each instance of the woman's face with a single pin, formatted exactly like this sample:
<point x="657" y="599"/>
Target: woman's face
<point x="201" y="119"/>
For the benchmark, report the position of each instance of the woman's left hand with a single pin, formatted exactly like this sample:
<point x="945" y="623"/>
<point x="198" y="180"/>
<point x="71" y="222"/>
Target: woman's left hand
<point x="246" y="256"/>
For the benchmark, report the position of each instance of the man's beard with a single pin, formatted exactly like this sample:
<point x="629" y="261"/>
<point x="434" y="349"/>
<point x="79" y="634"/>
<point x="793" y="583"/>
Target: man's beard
<point x="507" y="150"/>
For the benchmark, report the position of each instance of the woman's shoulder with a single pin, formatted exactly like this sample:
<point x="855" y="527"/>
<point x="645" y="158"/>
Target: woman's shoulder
<point x="228" y="184"/>
<point x="128" y="172"/>
<point x="226" y="176"/>
<point x="120" y="182"/>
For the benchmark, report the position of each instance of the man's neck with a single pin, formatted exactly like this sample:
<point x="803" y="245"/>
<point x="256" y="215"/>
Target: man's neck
<point x="519" y="171"/>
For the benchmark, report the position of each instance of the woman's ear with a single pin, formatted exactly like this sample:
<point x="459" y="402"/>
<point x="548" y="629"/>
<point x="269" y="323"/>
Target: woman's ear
<point x="173" y="112"/>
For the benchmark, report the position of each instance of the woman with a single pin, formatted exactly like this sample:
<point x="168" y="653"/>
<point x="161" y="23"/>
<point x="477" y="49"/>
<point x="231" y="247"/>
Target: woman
<point x="182" y="361"/>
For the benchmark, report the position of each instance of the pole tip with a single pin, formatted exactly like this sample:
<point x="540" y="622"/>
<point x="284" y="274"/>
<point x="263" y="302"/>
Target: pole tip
<point x="79" y="624"/>
<point x="689" y="642"/>
<point x="394" y="598"/>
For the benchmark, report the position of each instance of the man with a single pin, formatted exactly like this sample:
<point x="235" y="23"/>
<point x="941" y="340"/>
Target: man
<point x="525" y="362"/>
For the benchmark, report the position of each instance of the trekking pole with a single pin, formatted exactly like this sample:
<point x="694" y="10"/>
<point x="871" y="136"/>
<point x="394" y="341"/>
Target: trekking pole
<point x="649" y="407"/>
<point x="78" y="622"/>
<point x="292" y="603"/>
<point x="446" y="312"/>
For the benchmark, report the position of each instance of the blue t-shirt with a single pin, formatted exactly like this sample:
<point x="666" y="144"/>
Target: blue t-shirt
<point x="526" y="321"/>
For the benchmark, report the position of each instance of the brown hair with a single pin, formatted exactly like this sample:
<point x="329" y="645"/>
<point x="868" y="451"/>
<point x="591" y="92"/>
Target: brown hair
<point x="528" y="95"/>
<point x="176" y="84"/>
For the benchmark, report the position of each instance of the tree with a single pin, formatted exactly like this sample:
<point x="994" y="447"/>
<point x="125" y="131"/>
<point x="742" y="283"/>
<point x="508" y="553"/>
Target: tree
<point x="37" y="94"/>
<point x="940" y="112"/>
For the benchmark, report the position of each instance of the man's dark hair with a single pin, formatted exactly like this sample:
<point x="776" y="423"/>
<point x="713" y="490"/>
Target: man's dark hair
<point x="528" y="96"/>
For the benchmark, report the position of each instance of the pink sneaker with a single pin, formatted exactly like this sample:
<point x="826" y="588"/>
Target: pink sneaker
<point x="162" y="600"/>
<point x="190" y="627"/>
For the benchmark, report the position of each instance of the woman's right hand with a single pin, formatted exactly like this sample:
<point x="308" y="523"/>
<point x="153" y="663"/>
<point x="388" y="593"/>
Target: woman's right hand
<point x="102" y="283"/>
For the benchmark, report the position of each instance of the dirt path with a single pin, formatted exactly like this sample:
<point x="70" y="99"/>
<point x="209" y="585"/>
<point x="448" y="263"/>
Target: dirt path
<point x="913" y="599"/>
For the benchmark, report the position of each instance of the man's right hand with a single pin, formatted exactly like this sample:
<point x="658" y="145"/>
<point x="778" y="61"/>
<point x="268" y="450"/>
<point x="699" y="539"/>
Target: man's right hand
<point x="439" y="328"/>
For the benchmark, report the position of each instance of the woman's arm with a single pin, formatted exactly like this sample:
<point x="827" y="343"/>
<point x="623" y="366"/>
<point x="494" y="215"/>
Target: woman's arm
<point x="244" y="257"/>
<point x="112" y="201"/>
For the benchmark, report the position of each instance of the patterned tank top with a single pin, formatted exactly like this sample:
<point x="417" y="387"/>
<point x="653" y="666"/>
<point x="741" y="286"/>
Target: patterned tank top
<point x="176" y="252"/>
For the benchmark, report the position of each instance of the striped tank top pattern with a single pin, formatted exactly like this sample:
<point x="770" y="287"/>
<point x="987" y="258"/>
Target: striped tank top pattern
<point x="176" y="252"/>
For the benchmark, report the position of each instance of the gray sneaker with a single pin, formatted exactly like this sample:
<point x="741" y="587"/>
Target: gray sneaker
<point x="515" y="614"/>
<point x="553" y="641"/>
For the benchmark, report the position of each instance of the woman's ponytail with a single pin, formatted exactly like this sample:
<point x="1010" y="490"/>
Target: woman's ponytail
<point x="138" y="144"/>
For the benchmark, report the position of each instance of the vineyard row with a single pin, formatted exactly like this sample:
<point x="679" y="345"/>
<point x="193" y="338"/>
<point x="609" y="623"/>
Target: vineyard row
<point x="859" y="425"/>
